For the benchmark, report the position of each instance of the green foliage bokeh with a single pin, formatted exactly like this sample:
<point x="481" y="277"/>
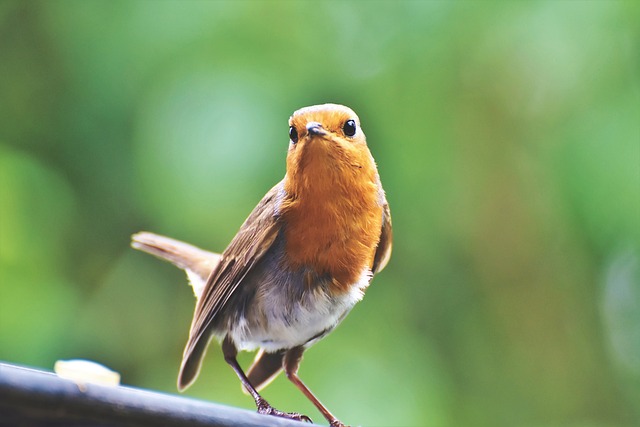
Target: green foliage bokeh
<point x="507" y="137"/>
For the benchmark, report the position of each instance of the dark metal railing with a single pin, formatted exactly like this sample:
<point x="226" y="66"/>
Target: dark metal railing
<point x="30" y="397"/>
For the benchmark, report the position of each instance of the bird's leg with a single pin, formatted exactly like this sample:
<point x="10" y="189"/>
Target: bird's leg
<point x="230" y="352"/>
<point x="291" y="363"/>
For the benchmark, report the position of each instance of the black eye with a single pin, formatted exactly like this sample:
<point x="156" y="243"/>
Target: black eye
<point x="349" y="128"/>
<point x="293" y="134"/>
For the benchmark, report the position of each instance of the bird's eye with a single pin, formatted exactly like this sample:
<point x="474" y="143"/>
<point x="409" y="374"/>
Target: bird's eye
<point x="349" y="128"/>
<point x="293" y="134"/>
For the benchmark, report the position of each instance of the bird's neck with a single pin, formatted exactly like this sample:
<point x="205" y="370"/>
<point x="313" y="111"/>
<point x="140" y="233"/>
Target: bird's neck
<point x="333" y="218"/>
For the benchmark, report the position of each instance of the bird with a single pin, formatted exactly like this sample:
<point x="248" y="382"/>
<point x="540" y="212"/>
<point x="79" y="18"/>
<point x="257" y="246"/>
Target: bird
<point x="299" y="263"/>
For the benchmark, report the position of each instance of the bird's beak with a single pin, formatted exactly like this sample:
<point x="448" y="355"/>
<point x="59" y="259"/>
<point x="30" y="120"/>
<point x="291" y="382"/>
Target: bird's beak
<point x="315" y="129"/>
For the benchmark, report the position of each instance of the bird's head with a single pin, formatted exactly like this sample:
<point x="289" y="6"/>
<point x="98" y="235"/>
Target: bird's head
<point x="326" y="141"/>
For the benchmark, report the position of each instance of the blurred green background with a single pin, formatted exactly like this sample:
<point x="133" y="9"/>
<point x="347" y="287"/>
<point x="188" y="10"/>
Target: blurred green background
<point x="507" y="137"/>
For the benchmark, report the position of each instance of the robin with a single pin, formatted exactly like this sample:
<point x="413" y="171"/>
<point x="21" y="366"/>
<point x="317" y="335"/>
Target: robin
<point x="299" y="263"/>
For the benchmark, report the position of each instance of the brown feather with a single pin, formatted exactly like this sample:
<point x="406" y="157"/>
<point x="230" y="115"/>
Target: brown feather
<point x="180" y="254"/>
<point x="383" y="251"/>
<point x="264" y="369"/>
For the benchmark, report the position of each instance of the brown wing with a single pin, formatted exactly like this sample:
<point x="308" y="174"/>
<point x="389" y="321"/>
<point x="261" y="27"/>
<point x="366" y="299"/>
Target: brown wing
<point x="254" y="238"/>
<point x="383" y="252"/>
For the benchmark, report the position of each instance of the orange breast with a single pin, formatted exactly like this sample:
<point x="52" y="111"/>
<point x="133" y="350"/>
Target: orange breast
<point x="333" y="216"/>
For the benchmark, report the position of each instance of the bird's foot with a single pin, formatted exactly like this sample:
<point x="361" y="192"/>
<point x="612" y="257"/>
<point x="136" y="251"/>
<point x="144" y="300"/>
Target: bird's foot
<point x="266" y="409"/>
<point x="337" y="423"/>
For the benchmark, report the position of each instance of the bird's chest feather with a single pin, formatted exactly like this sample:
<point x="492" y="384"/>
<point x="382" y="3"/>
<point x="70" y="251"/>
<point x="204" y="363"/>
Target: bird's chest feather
<point x="333" y="227"/>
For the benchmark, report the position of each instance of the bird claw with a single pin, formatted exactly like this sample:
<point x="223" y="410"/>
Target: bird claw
<point x="266" y="409"/>
<point x="336" y="423"/>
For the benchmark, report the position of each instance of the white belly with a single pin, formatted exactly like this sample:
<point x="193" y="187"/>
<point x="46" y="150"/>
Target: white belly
<point x="295" y="326"/>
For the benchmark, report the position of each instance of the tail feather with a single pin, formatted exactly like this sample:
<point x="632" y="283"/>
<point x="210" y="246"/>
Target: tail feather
<point x="196" y="262"/>
<point x="264" y="369"/>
